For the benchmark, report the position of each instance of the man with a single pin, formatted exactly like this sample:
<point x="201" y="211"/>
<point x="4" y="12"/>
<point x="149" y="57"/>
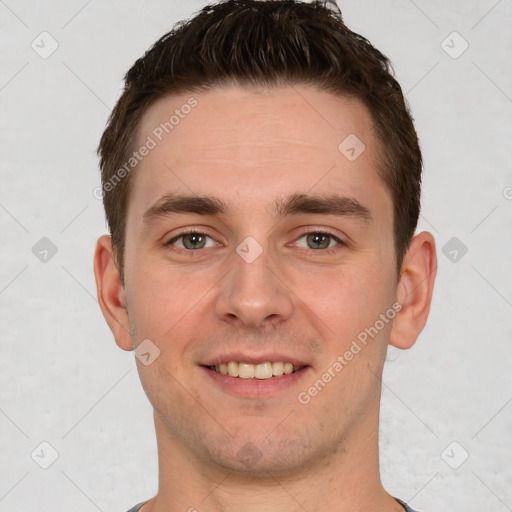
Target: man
<point x="261" y="178"/>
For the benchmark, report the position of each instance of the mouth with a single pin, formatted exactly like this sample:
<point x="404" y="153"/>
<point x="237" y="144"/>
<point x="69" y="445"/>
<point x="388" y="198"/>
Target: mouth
<point x="260" y="371"/>
<point x="250" y="375"/>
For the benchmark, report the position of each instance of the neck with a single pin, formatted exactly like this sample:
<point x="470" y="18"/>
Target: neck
<point x="344" y="480"/>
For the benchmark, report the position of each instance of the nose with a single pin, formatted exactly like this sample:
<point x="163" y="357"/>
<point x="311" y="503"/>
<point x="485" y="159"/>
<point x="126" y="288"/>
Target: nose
<point x="254" y="293"/>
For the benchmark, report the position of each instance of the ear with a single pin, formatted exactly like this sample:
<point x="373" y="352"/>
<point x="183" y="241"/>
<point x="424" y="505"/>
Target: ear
<point x="415" y="288"/>
<point x="110" y="292"/>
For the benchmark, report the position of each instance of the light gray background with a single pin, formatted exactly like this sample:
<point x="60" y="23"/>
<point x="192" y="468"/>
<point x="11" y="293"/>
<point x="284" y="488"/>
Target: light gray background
<point x="63" y="379"/>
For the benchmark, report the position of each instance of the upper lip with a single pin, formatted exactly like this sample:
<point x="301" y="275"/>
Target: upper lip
<point x="252" y="358"/>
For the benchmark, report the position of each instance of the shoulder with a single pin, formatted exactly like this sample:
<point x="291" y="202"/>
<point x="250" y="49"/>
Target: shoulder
<point x="137" y="507"/>
<point x="407" y="508"/>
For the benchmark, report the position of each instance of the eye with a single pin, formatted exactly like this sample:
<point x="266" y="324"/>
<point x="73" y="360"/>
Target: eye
<point x="192" y="240"/>
<point x="319" y="240"/>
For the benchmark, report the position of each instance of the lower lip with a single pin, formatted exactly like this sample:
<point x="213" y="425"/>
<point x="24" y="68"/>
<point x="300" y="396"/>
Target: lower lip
<point x="255" y="387"/>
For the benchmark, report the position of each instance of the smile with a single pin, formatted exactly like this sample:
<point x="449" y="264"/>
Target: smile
<point x="255" y="371"/>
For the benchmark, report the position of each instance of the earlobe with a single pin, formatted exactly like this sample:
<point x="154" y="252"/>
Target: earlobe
<point x="111" y="296"/>
<point x="415" y="289"/>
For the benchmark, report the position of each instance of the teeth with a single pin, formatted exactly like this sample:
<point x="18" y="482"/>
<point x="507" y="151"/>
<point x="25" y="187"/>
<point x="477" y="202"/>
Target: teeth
<point x="263" y="371"/>
<point x="245" y="371"/>
<point x="277" y="369"/>
<point x="233" y="369"/>
<point x="255" y="371"/>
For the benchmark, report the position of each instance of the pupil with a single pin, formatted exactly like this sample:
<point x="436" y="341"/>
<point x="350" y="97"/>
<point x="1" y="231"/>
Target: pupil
<point x="319" y="240"/>
<point x="193" y="241"/>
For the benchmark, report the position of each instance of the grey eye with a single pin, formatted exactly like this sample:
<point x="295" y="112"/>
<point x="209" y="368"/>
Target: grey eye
<point x="192" y="241"/>
<point x="318" y="240"/>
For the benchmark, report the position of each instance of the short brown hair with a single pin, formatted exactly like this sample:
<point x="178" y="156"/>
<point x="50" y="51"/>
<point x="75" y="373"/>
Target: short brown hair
<point x="267" y="43"/>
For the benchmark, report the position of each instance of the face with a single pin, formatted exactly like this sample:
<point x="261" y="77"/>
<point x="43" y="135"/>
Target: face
<point x="288" y="257"/>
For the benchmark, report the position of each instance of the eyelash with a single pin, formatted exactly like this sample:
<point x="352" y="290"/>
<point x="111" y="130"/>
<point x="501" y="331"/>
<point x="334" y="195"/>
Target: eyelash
<point x="185" y="233"/>
<point x="327" y="250"/>
<point x="317" y="231"/>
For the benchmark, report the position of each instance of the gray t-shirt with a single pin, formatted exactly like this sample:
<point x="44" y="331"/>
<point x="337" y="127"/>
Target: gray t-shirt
<point x="407" y="508"/>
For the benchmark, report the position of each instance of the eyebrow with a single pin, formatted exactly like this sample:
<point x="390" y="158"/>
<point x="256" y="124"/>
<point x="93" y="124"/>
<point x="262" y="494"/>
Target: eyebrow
<point x="331" y="204"/>
<point x="296" y="204"/>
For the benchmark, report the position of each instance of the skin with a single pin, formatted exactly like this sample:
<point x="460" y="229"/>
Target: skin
<point x="250" y="148"/>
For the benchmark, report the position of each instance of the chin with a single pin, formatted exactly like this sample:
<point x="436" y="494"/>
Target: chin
<point x="258" y="461"/>
<point x="263" y="453"/>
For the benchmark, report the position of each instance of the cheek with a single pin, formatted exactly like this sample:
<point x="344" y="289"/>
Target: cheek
<point x="160" y="299"/>
<point x="349" y="299"/>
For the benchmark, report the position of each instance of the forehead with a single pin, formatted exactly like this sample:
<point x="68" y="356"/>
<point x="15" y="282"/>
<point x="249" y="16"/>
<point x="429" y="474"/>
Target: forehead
<point x="255" y="145"/>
